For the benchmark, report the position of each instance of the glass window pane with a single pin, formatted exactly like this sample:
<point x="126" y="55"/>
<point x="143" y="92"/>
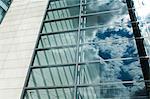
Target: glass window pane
<point x="93" y="6"/>
<point x="61" y="25"/>
<point x="145" y="28"/>
<point x="2" y="13"/>
<point x="106" y="34"/>
<point x="62" y="3"/>
<point x="110" y="49"/>
<point x="111" y="71"/>
<point x="147" y="45"/>
<point x="7" y="2"/>
<point x="113" y="18"/>
<point x="142" y="9"/>
<point x="63" y="39"/>
<point x="64" y="93"/>
<point x="55" y="56"/>
<point x="4" y="5"/>
<point x="52" y="76"/>
<point x="112" y="91"/>
<point x="62" y="13"/>
<point x="105" y="66"/>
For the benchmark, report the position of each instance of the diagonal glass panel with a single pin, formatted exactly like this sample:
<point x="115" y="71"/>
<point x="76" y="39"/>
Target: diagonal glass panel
<point x="52" y="76"/>
<point x="55" y="56"/>
<point x="62" y="93"/>
<point x="4" y="5"/>
<point x="60" y="25"/>
<point x="61" y="39"/>
<point x="62" y="13"/>
<point x="7" y="2"/>
<point x="62" y="3"/>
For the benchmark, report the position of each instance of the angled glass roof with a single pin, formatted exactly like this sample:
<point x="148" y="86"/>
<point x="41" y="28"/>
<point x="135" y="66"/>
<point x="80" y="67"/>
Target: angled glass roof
<point x="4" y="5"/>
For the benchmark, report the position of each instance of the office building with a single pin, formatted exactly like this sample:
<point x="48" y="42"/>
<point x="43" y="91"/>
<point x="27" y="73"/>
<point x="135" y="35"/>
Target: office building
<point x="75" y="49"/>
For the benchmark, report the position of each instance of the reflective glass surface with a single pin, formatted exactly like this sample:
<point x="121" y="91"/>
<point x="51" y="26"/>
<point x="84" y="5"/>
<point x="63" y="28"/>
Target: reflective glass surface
<point x="62" y="13"/>
<point x="87" y="49"/>
<point x="55" y="56"/>
<point x="4" y="5"/>
<point x="62" y="39"/>
<point x="62" y="93"/>
<point x="108" y="91"/>
<point x="52" y="76"/>
<point x="111" y="71"/>
<point x="2" y="12"/>
<point x="106" y="49"/>
<point x="106" y="34"/>
<point x="62" y="3"/>
<point x="60" y="25"/>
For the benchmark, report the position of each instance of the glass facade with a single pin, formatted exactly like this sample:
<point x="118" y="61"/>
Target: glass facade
<point x="87" y="49"/>
<point x="4" y="5"/>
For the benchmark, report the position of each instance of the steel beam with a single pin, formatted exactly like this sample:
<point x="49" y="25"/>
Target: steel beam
<point x="140" y="45"/>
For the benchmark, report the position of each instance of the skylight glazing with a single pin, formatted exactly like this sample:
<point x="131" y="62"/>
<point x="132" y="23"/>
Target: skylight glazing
<point x="86" y="50"/>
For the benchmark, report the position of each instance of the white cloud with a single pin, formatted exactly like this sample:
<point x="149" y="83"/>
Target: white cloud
<point x="111" y="70"/>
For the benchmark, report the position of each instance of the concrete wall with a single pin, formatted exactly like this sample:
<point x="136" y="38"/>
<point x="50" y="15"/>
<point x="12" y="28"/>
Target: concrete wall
<point x="18" y="34"/>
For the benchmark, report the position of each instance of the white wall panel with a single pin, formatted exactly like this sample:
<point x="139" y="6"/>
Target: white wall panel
<point x="18" y="34"/>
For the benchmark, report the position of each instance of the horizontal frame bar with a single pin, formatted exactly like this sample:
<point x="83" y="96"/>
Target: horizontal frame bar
<point x="86" y="85"/>
<point x="89" y="62"/>
<point x="89" y="43"/>
<point x="61" y="8"/>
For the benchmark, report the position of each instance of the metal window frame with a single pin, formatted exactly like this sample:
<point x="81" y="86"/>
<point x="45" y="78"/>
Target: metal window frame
<point x="77" y="63"/>
<point x="33" y="56"/>
<point x="85" y="28"/>
<point x="140" y="45"/>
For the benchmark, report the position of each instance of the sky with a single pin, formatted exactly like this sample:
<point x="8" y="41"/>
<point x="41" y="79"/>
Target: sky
<point x="118" y="45"/>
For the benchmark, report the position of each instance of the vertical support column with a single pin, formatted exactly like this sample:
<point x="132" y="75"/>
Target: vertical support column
<point x="139" y="43"/>
<point x="77" y="53"/>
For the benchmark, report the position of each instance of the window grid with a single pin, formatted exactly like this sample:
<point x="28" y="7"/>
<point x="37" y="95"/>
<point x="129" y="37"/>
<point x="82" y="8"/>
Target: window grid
<point x="76" y="89"/>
